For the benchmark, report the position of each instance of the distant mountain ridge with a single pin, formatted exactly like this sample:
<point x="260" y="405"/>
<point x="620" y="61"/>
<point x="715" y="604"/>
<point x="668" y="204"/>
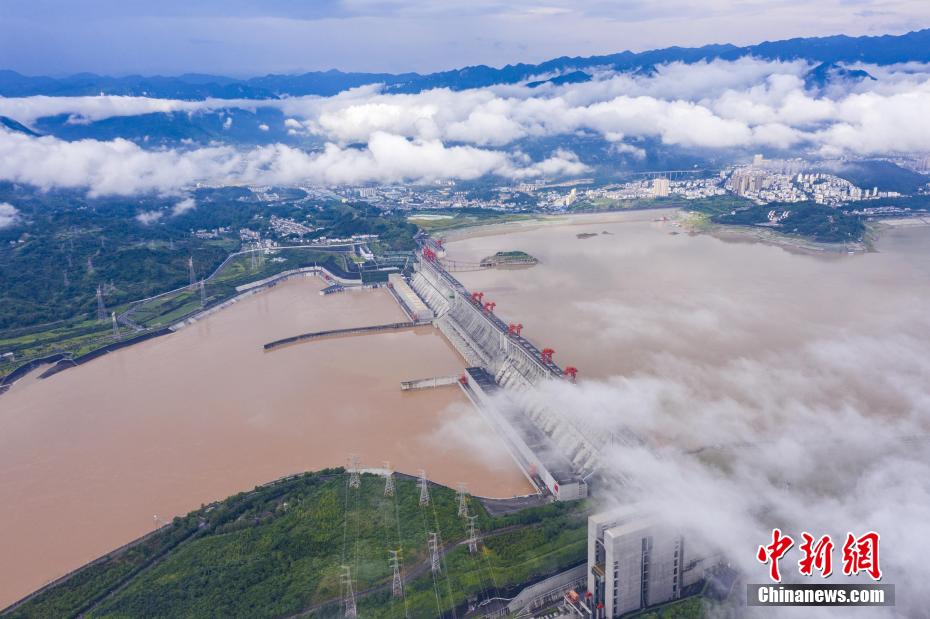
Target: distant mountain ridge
<point x="828" y="51"/>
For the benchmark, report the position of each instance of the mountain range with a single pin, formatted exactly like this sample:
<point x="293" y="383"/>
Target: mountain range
<point x="829" y="52"/>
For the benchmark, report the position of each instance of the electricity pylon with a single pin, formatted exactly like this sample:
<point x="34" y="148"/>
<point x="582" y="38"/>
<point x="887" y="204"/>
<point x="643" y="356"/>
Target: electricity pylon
<point x="348" y="598"/>
<point x="355" y="479"/>
<point x="398" y="584"/>
<point x="388" y="480"/>
<point x="101" y="308"/>
<point x="424" y="490"/>
<point x="472" y="534"/>
<point x="463" y="500"/>
<point x="433" y="543"/>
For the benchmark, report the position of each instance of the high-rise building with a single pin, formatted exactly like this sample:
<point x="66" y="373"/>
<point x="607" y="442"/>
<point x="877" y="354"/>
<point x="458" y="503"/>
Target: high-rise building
<point x="571" y="197"/>
<point x="633" y="562"/>
<point x="758" y="160"/>
<point x="660" y="187"/>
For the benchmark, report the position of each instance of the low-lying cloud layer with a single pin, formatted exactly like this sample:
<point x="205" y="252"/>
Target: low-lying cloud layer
<point x="443" y="134"/>
<point x="122" y="167"/>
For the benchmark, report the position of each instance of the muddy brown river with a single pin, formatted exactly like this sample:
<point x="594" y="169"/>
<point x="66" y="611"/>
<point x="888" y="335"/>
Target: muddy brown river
<point x="89" y="456"/>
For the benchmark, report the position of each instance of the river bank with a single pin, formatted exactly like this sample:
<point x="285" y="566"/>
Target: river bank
<point x="89" y="455"/>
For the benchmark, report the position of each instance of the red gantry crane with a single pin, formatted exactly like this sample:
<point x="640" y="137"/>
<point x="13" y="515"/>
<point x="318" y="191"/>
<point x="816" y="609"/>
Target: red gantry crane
<point x="514" y="329"/>
<point x="546" y="355"/>
<point x="571" y="372"/>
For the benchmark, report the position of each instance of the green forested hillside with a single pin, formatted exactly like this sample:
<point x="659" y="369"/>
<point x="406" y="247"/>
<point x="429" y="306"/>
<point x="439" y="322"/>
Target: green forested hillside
<point x="279" y="551"/>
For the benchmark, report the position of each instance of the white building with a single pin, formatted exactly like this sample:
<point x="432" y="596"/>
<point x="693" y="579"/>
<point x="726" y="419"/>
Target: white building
<point x="660" y="187"/>
<point x="633" y="562"/>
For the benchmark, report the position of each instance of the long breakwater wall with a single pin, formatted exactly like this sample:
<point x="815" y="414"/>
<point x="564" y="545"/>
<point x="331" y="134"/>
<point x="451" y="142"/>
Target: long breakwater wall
<point x="317" y="335"/>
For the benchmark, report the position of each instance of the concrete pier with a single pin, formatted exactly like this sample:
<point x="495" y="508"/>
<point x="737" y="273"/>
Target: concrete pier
<point x="316" y="335"/>
<point x="428" y="383"/>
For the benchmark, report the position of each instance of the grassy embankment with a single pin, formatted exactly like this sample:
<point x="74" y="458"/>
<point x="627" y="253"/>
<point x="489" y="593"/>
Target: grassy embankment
<point x="278" y="551"/>
<point x="454" y="219"/>
<point x="82" y="335"/>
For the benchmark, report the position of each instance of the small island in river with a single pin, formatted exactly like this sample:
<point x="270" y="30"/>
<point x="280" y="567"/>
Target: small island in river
<point x="508" y="259"/>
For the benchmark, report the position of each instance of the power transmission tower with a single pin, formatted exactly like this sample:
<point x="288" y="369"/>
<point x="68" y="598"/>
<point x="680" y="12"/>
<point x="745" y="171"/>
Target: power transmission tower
<point x="355" y="480"/>
<point x="101" y="308"/>
<point x="424" y="490"/>
<point x="388" y="480"/>
<point x="472" y="534"/>
<point x="203" y="295"/>
<point x="115" y="326"/>
<point x="463" y="500"/>
<point x="433" y="544"/>
<point x="190" y="268"/>
<point x="398" y="585"/>
<point x="349" y="593"/>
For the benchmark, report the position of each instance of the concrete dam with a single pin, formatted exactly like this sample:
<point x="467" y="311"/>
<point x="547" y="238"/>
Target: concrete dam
<point x="505" y="371"/>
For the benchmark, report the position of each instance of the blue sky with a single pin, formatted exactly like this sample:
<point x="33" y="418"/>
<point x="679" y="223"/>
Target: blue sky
<point x="242" y="37"/>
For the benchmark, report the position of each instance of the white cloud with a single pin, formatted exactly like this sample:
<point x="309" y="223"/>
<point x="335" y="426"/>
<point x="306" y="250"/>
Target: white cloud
<point x="185" y="205"/>
<point x="9" y="215"/>
<point x="122" y="167"/>
<point x="264" y="127"/>
<point x="440" y="134"/>
<point x="147" y="218"/>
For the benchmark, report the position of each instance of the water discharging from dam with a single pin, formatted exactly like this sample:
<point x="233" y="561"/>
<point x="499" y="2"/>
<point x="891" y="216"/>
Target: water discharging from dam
<point x="88" y="456"/>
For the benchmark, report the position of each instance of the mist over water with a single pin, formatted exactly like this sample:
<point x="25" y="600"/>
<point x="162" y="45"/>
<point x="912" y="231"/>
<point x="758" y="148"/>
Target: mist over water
<point x="773" y="388"/>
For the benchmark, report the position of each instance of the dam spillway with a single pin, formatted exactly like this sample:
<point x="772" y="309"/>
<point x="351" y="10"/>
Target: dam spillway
<point x="550" y="446"/>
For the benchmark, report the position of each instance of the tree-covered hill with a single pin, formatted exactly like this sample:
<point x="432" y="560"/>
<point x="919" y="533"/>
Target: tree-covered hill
<point x="280" y="550"/>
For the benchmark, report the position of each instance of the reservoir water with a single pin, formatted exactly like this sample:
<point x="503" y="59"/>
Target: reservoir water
<point x="89" y="456"/>
<point x="661" y="314"/>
